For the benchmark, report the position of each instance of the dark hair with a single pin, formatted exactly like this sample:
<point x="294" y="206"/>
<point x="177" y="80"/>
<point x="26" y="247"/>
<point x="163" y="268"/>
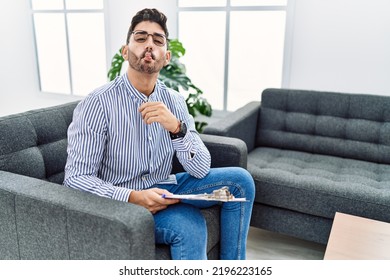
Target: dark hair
<point x="152" y="15"/>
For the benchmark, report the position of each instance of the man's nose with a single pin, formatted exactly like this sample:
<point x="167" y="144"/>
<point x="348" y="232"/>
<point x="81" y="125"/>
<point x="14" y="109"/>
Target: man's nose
<point x="149" y="40"/>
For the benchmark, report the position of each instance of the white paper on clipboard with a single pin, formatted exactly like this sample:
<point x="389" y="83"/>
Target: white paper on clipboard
<point x="222" y="195"/>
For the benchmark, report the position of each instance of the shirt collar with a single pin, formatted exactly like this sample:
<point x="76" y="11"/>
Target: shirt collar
<point x="134" y="93"/>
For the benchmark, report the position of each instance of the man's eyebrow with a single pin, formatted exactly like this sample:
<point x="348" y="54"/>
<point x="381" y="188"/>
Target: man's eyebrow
<point x="154" y="33"/>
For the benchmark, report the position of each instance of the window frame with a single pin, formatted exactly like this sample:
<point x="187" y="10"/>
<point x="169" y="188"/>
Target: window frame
<point x="228" y="9"/>
<point x="64" y="11"/>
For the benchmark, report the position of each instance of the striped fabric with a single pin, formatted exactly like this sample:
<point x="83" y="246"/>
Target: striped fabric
<point x="111" y="151"/>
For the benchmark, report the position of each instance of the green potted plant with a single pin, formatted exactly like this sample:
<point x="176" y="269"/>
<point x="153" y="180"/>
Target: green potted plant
<point x="175" y="77"/>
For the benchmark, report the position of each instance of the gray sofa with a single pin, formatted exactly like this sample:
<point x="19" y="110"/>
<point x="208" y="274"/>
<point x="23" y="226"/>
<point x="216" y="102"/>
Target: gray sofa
<point x="42" y="219"/>
<point x="311" y="154"/>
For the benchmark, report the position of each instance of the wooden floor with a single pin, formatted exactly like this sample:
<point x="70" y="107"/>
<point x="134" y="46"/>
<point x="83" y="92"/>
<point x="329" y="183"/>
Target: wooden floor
<point x="266" y="245"/>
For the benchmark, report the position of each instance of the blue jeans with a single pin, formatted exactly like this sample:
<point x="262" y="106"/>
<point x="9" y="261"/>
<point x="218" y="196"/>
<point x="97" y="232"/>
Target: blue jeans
<point x="183" y="227"/>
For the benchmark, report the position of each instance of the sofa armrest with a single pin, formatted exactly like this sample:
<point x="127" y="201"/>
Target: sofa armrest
<point x="240" y="124"/>
<point x="225" y="151"/>
<point x="42" y="220"/>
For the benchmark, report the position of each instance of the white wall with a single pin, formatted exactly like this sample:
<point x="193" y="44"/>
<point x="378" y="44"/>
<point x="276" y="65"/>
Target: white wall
<point x="17" y="57"/>
<point x="341" y="45"/>
<point x="17" y="48"/>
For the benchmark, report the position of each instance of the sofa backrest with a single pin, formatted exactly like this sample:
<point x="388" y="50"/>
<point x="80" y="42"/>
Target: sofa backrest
<point x="347" y="125"/>
<point x="34" y="143"/>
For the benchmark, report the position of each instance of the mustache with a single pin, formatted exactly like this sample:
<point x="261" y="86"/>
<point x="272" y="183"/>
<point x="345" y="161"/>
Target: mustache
<point x="151" y="54"/>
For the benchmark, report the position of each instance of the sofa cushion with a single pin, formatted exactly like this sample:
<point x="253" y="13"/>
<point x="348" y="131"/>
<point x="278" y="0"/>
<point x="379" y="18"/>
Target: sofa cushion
<point x="34" y="143"/>
<point x="355" y="126"/>
<point x="320" y="185"/>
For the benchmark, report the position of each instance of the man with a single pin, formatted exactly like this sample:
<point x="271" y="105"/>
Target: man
<point x="122" y="140"/>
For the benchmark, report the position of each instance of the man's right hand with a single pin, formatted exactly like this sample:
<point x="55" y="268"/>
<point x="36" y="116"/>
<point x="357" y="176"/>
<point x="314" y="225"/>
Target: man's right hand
<point x="152" y="199"/>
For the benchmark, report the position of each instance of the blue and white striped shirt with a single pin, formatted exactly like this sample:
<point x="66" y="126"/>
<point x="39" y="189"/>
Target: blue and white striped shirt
<point x="111" y="151"/>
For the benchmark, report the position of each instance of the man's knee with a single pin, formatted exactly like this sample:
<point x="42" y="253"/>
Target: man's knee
<point x="242" y="180"/>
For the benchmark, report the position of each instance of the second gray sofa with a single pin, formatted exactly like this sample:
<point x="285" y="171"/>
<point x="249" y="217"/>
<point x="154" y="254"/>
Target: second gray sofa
<point x="312" y="154"/>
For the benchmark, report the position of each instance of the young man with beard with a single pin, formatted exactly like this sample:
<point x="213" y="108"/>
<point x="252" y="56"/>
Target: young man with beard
<point x="122" y="140"/>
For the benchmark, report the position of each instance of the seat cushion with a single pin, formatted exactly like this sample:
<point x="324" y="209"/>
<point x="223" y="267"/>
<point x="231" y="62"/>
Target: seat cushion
<point x="320" y="185"/>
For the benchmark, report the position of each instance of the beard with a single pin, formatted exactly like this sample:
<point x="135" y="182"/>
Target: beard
<point x="140" y="65"/>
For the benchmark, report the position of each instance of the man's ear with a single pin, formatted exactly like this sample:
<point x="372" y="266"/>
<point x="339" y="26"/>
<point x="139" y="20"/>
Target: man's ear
<point x="167" y="58"/>
<point x="125" y="51"/>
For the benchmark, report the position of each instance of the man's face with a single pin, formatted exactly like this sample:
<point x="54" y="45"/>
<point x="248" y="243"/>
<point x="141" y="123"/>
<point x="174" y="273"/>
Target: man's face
<point x="146" y="57"/>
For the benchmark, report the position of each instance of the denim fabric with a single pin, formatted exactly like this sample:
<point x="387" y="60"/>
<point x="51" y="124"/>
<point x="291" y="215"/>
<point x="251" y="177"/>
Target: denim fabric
<point x="183" y="227"/>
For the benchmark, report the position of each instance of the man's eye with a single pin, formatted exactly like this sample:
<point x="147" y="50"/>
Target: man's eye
<point x="140" y="39"/>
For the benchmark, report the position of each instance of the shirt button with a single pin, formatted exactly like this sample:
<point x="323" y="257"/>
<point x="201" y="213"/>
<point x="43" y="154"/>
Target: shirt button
<point x="150" y="138"/>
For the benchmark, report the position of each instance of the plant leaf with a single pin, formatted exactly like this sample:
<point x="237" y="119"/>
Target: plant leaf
<point x="116" y="66"/>
<point x="176" y="48"/>
<point x="200" y="126"/>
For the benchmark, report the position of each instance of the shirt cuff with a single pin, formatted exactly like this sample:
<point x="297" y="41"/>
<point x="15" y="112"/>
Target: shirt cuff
<point x="121" y="194"/>
<point x="184" y="144"/>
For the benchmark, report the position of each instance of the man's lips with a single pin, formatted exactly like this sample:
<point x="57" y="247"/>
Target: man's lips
<point x="148" y="56"/>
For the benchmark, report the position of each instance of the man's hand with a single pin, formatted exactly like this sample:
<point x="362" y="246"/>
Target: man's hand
<point x="152" y="199"/>
<point x="158" y="112"/>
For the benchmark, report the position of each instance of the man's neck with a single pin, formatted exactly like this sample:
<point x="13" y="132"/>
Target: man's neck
<point x="143" y="82"/>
